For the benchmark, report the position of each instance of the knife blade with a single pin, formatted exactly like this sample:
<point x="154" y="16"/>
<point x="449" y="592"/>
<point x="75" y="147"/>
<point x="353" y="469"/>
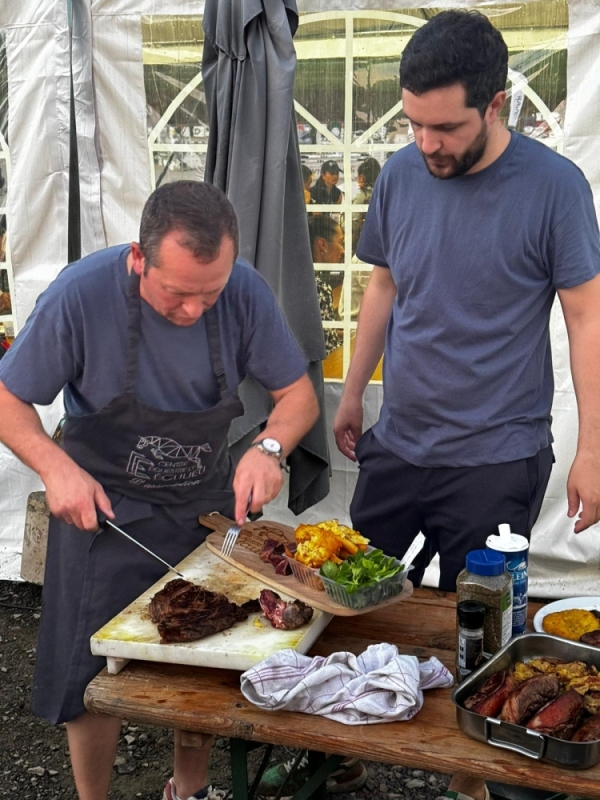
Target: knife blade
<point x="104" y="522"/>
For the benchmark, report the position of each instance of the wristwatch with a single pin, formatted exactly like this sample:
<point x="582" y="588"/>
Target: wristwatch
<point x="270" y="447"/>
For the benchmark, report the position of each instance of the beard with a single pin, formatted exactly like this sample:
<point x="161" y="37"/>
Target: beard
<point x="444" y="167"/>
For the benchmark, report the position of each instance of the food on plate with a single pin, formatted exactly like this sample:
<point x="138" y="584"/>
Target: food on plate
<point x="547" y="695"/>
<point x="589" y="731"/>
<point x="490" y="698"/>
<point x="529" y="696"/>
<point x="591" y="637"/>
<point x="571" y="623"/>
<point x="361" y="570"/>
<point x="273" y="552"/>
<point x="184" y="612"/>
<point x="284" y="615"/>
<point x="327" y="541"/>
<point x="561" y="717"/>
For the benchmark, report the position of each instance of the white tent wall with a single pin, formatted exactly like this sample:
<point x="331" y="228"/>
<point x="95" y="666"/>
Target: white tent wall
<point x="37" y="50"/>
<point x="111" y="122"/>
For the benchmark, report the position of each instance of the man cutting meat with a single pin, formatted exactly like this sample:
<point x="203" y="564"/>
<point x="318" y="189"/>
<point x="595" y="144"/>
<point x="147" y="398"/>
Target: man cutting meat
<point x="473" y="230"/>
<point x="150" y="343"/>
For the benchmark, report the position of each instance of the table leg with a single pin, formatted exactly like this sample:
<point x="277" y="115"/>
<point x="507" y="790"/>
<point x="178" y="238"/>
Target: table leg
<point x="320" y="768"/>
<point x="239" y="749"/>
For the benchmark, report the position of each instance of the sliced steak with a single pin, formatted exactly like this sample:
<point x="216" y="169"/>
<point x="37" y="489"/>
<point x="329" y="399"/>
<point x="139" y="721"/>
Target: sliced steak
<point x="491" y="696"/>
<point x="560" y="717"/>
<point x="287" y="616"/>
<point x="185" y="612"/>
<point x="273" y="553"/>
<point x="529" y="697"/>
<point x="592" y="637"/>
<point x="589" y="731"/>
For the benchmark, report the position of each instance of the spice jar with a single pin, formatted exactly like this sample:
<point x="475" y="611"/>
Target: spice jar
<point x="470" y="617"/>
<point x="486" y="580"/>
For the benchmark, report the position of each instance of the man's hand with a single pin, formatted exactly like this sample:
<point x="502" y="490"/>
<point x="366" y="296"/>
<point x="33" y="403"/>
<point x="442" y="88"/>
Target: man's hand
<point x="259" y="476"/>
<point x="583" y="490"/>
<point x="348" y="425"/>
<point x="73" y="495"/>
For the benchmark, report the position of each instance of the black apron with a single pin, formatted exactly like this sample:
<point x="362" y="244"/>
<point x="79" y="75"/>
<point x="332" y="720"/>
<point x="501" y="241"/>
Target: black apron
<point x="161" y="470"/>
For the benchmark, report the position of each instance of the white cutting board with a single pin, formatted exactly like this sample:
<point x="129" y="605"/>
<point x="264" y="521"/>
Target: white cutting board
<point x="131" y="634"/>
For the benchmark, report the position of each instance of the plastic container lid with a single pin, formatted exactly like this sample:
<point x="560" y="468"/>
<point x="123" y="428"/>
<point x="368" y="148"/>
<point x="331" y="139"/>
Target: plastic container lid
<point x="471" y="614"/>
<point x="506" y="541"/>
<point x="485" y="562"/>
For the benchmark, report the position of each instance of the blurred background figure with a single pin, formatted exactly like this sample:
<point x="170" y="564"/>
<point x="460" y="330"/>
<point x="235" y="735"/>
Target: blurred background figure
<point x="327" y="244"/>
<point x="325" y="189"/>
<point x="368" y="172"/>
<point x="307" y="177"/>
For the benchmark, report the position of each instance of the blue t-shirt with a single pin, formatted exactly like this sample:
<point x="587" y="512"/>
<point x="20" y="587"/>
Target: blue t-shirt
<point x="476" y="260"/>
<point x="76" y="339"/>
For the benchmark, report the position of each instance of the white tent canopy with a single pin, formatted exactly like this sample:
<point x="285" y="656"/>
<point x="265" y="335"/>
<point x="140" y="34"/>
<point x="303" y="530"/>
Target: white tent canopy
<point x="115" y="178"/>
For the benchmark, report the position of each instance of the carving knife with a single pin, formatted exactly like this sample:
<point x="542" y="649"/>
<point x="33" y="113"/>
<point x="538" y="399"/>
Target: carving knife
<point x="104" y="522"/>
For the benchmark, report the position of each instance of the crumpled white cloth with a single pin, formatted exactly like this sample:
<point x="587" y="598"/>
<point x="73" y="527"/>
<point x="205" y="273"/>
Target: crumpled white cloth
<point x="379" y="685"/>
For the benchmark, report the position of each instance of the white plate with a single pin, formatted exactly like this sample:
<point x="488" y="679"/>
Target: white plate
<point x="588" y="603"/>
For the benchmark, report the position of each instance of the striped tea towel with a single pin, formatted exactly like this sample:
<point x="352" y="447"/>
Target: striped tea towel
<point x="379" y="685"/>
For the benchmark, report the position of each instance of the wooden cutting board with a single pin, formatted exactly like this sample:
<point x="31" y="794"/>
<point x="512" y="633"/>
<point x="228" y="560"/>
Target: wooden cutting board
<point x="132" y="634"/>
<point x="245" y="556"/>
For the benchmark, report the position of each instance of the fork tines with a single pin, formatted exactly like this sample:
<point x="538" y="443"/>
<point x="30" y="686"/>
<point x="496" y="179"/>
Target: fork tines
<point x="230" y="540"/>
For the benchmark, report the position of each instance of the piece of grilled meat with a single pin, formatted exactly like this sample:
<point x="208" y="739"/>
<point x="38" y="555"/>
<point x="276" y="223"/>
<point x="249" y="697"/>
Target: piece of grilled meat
<point x="184" y="612"/>
<point x="589" y="731"/>
<point x="591" y="637"/>
<point x="491" y="696"/>
<point x="528" y="698"/>
<point x="560" y="717"/>
<point x="281" y="614"/>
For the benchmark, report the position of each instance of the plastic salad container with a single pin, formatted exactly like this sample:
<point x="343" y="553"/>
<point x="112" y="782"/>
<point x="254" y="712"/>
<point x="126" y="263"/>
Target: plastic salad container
<point x="306" y="575"/>
<point x="368" y="595"/>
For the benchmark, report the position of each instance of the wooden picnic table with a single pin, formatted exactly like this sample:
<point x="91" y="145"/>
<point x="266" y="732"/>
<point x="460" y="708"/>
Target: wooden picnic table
<point x="208" y="701"/>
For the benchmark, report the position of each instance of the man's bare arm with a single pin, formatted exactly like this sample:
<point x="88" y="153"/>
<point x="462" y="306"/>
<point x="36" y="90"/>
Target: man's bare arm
<point x="72" y="493"/>
<point x="581" y="308"/>
<point x="370" y="341"/>
<point x="296" y="411"/>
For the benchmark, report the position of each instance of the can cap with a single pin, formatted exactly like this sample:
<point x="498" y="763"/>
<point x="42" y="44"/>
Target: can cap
<point x="471" y="614"/>
<point x="506" y="541"/>
<point x="485" y="562"/>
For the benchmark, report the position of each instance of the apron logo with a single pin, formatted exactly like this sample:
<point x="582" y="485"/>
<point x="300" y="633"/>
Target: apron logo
<point x="165" y="462"/>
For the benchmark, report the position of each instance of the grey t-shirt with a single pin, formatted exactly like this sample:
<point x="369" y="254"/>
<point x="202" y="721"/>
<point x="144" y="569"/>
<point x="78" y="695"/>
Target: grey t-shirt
<point x="476" y="260"/>
<point x="76" y="338"/>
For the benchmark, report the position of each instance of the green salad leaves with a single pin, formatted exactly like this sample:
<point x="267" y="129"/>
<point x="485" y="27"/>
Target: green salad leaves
<point x="362" y="570"/>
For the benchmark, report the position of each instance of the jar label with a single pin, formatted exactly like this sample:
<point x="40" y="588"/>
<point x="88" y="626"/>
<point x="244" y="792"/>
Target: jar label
<point x="506" y="607"/>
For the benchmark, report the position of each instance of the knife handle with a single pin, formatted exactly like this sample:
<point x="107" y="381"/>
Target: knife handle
<point x="102" y="518"/>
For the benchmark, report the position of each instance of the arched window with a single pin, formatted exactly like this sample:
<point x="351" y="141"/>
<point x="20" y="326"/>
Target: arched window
<point x="350" y="120"/>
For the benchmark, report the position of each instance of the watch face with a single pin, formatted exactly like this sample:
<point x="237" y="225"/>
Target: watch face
<point x="272" y="445"/>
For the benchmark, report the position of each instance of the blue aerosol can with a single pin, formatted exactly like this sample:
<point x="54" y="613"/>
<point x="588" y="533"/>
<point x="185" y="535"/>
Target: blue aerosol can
<point x="515" y="549"/>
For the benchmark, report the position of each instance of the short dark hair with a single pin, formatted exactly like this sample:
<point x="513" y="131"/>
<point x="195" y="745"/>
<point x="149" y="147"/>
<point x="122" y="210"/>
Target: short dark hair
<point x="321" y="226"/>
<point x="306" y="172"/>
<point x="456" y="47"/>
<point x="369" y="169"/>
<point x="199" y="211"/>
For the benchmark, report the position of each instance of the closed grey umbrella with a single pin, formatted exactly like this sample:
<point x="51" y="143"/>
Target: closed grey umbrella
<point x="248" y="67"/>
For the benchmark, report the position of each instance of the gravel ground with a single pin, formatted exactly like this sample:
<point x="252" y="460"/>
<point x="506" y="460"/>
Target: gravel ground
<point x="34" y="759"/>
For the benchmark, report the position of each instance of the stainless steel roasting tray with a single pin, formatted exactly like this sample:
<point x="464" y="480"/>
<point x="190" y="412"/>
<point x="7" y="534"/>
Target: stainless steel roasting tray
<point x="572" y="755"/>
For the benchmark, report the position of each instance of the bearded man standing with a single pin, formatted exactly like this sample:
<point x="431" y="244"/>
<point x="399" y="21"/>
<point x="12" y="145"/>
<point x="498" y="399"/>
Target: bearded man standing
<point x="471" y="230"/>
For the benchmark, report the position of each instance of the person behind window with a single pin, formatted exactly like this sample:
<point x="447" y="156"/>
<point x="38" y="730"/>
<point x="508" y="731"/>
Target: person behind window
<point x="327" y="245"/>
<point x="325" y="189"/>
<point x="368" y="172"/>
<point x="307" y="177"/>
